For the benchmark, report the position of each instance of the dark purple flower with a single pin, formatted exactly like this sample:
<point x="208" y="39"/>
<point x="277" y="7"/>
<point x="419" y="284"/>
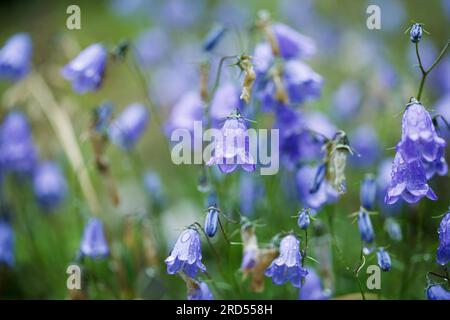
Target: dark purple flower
<point x="17" y="151"/>
<point x="187" y="110"/>
<point x="312" y="287"/>
<point x="186" y="255"/>
<point x="129" y="126"/>
<point x="15" y="57"/>
<point x="211" y="222"/>
<point x="365" y="227"/>
<point x="415" y="34"/>
<point x="347" y="100"/>
<point x="213" y="37"/>
<point x="93" y="244"/>
<point x="365" y="141"/>
<point x="232" y="148"/>
<point x="409" y="181"/>
<point x="368" y="192"/>
<point x="419" y="137"/>
<point x="199" y="290"/>
<point x="86" y="70"/>
<point x="303" y="219"/>
<point x="225" y="100"/>
<point x="384" y="260"/>
<point x="291" y="43"/>
<point x="6" y="243"/>
<point x="152" y="46"/>
<point x="49" y="185"/>
<point x="443" y="251"/>
<point x="287" y="267"/>
<point x="305" y="179"/>
<point x="437" y="292"/>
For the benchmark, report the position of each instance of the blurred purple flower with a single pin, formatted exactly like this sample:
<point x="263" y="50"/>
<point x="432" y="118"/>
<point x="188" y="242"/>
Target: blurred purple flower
<point x="49" y="185"/>
<point x="93" y="244"/>
<point x="154" y="188"/>
<point x="305" y="179"/>
<point x="262" y="59"/>
<point x="312" y="288"/>
<point x="384" y="260"/>
<point x="250" y="192"/>
<point x="129" y="126"/>
<point x="364" y="140"/>
<point x="199" y="290"/>
<point x="225" y="100"/>
<point x="409" y="181"/>
<point x="152" y="46"/>
<point x="347" y="100"/>
<point x="86" y="70"/>
<point x="393" y="229"/>
<point x="180" y="13"/>
<point x="187" y="110"/>
<point x="213" y="37"/>
<point x="287" y="267"/>
<point x="368" y="192"/>
<point x="291" y="43"/>
<point x="231" y="13"/>
<point x="437" y="292"/>
<point x="186" y="255"/>
<point x="365" y="227"/>
<point x="17" y="151"/>
<point x="443" y="251"/>
<point x="439" y="77"/>
<point x="233" y="147"/>
<point x="15" y="57"/>
<point x="6" y="243"/>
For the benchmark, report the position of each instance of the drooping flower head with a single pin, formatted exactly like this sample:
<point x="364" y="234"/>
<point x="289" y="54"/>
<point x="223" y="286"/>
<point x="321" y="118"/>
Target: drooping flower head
<point x="6" y="243"/>
<point x="368" y="192"/>
<point x="408" y="181"/>
<point x="384" y="260"/>
<point x="443" y="251"/>
<point x="415" y="34"/>
<point x="233" y="146"/>
<point x="419" y="138"/>
<point x="198" y="290"/>
<point x="303" y="219"/>
<point x="225" y="100"/>
<point x="312" y="288"/>
<point x="187" y="110"/>
<point x="129" y="126"/>
<point x="86" y="70"/>
<point x="186" y="256"/>
<point x="365" y="227"/>
<point x="49" y="185"/>
<point x="93" y="244"/>
<point x="291" y="44"/>
<point x="15" y="57"/>
<point x="287" y="267"/>
<point x="17" y="151"/>
<point x="437" y="292"/>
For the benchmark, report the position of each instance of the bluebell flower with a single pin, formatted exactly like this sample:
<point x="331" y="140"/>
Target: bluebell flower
<point x="154" y="188"/>
<point x="408" y="181"/>
<point x="86" y="70"/>
<point x="6" y="243"/>
<point x="415" y="34"/>
<point x="188" y="109"/>
<point x="347" y="100"/>
<point x="49" y="185"/>
<point x="262" y="59"/>
<point x="366" y="143"/>
<point x="365" y="227"/>
<point x="291" y="44"/>
<point x="15" y="57"/>
<point x="129" y="126"/>
<point x="383" y="182"/>
<point x="198" y="290"/>
<point x="17" y="151"/>
<point x="233" y="148"/>
<point x="393" y="229"/>
<point x="186" y="255"/>
<point x="211" y="221"/>
<point x="305" y="179"/>
<point x="419" y="138"/>
<point x="437" y="292"/>
<point x="224" y="101"/>
<point x="213" y="37"/>
<point x="287" y="267"/>
<point x="443" y="251"/>
<point x="384" y="260"/>
<point x="312" y="287"/>
<point x="152" y="46"/>
<point x="368" y="192"/>
<point x="250" y="192"/>
<point x="303" y="219"/>
<point x="93" y="243"/>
